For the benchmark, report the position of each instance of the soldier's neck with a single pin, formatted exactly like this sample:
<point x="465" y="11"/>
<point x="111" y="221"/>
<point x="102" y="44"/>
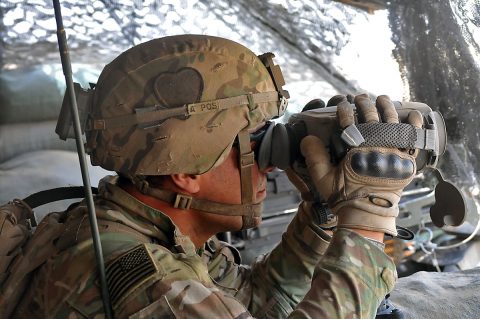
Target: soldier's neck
<point x="190" y="222"/>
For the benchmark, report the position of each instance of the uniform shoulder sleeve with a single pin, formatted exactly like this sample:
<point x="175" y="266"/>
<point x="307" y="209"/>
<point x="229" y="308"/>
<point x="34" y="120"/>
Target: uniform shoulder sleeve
<point x="349" y="281"/>
<point x="150" y="280"/>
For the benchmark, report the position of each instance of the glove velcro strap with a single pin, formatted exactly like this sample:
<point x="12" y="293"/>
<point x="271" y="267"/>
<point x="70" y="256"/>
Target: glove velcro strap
<point x="397" y="135"/>
<point x="350" y="217"/>
<point x="304" y="229"/>
<point x="313" y="240"/>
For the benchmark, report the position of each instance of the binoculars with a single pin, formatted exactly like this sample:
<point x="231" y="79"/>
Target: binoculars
<point x="280" y="146"/>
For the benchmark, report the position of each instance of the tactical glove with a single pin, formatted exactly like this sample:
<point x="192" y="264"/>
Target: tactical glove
<point x="300" y="178"/>
<point x="364" y="189"/>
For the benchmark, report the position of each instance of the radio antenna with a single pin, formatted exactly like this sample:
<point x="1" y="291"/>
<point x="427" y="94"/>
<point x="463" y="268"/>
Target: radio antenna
<point x="67" y="71"/>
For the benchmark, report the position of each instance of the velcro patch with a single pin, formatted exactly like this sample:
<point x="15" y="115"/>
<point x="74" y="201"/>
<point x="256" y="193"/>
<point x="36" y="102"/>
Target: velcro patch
<point x="182" y="87"/>
<point x="128" y="272"/>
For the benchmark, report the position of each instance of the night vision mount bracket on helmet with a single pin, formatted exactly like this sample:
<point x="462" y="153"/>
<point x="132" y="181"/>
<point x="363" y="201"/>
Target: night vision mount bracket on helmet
<point x="280" y="147"/>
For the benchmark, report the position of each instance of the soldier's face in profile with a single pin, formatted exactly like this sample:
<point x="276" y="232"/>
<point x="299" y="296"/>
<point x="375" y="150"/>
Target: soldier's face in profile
<point x="223" y="182"/>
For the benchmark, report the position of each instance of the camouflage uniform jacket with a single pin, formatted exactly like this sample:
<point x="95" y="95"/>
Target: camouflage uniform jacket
<point x="153" y="271"/>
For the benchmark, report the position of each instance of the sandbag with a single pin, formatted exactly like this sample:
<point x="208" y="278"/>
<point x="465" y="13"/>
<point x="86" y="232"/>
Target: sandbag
<point x="433" y="295"/>
<point x="20" y="138"/>
<point x="36" y="93"/>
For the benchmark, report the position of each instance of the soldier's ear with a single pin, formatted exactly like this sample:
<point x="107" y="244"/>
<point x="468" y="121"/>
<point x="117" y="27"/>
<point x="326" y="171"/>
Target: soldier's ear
<point x="187" y="183"/>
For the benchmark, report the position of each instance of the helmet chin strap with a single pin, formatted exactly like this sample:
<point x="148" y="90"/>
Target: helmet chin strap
<point x="250" y="212"/>
<point x="246" y="160"/>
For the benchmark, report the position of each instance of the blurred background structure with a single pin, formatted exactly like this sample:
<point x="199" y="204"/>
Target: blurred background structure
<point x="420" y="50"/>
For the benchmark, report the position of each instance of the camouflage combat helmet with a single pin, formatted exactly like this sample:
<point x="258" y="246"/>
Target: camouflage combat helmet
<point x="177" y="104"/>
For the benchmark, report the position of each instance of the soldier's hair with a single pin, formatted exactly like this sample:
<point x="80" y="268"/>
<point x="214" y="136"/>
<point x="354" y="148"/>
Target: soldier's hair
<point x="157" y="181"/>
<point x="154" y="181"/>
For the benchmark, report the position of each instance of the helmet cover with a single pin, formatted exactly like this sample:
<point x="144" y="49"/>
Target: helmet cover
<point x="171" y="73"/>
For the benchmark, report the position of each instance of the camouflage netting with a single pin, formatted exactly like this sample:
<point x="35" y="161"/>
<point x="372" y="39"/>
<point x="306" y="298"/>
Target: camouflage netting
<point x="305" y="35"/>
<point x="436" y="46"/>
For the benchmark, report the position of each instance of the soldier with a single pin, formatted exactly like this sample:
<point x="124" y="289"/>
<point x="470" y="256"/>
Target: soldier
<point x="179" y="119"/>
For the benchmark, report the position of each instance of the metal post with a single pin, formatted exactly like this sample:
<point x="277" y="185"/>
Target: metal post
<point x="67" y="71"/>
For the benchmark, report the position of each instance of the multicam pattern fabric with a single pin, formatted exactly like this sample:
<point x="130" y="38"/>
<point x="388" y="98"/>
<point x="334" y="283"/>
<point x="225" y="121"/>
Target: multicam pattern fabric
<point x="170" y="73"/>
<point x="347" y="282"/>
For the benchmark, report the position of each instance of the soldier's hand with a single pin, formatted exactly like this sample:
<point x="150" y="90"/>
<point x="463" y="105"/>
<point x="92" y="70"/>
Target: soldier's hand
<point x="300" y="178"/>
<point x="365" y="187"/>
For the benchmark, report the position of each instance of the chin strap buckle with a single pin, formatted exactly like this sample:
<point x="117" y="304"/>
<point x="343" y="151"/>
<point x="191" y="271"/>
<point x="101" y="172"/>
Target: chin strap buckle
<point x="183" y="202"/>
<point x="247" y="159"/>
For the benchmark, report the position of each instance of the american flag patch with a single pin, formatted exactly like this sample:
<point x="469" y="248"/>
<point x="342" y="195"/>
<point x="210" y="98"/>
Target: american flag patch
<point x="128" y="271"/>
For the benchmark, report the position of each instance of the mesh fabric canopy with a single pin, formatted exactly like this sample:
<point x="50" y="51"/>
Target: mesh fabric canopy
<point x="436" y="45"/>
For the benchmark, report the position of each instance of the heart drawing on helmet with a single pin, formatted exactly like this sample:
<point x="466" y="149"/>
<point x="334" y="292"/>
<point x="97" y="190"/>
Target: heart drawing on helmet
<point x="175" y="89"/>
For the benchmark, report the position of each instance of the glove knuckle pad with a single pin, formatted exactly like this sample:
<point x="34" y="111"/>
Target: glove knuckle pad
<point x="374" y="164"/>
